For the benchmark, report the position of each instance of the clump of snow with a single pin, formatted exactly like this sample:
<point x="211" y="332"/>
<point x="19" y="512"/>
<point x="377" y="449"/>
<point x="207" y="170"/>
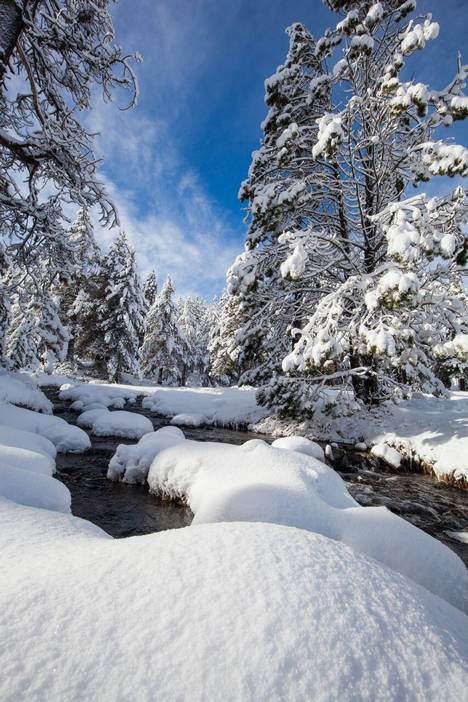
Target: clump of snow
<point x="302" y="445"/>
<point x="461" y="536"/>
<point x="128" y="424"/>
<point x="85" y="396"/>
<point x="389" y="454"/>
<point x="64" y="436"/>
<point x="131" y="464"/>
<point x="27" y="440"/>
<point x="18" y="389"/>
<point x="294" y="266"/>
<point x="189" y="420"/>
<point x="33" y="489"/>
<point x="257" y="482"/>
<point x="360" y="446"/>
<point x="88" y="417"/>
<point x="284" y="615"/>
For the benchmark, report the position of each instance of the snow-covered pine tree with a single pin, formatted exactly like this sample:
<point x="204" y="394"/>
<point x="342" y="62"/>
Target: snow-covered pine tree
<point x="23" y="340"/>
<point x="164" y="348"/>
<point x="196" y="321"/>
<point x="226" y="367"/>
<point x="150" y="288"/>
<point x="121" y="315"/>
<point x="52" y="336"/>
<point x="5" y="304"/>
<point x="381" y="326"/>
<point x="290" y="195"/>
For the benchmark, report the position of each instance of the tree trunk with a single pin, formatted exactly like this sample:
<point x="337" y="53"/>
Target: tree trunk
<point x="11" y="25"/>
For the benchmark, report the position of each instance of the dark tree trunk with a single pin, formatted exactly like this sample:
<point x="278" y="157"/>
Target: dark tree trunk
<point x="11" y="25"/>
<point x="365" y="387"/>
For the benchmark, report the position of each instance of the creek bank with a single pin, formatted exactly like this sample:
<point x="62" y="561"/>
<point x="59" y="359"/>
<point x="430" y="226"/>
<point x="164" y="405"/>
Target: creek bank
<point x="125" y="510"/>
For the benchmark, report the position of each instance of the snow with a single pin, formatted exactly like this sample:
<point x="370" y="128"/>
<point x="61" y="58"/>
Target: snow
<point x="33" y="489"/>
<point x="64" y="436"/>
<point x="26" y="459"/>
<point x="128" y="424"/>
<point x="131" y="464"/>
<point x="461" y="536"/>
<point x="388" y="454"/>
<point x="431" y="429"/>
<point x="26" y="440"/>
<point x="302" y="445"/>
<point x="85" y="395"/>
<point x="257" y="482"/>
<point x="284" y="615"/>
<point x="221" y="406"/>
<point x="189" y="420"/>
<point x="18" y="389"/>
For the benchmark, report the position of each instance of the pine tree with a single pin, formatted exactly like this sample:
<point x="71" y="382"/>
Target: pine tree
<point x="5" y="304"/>
<point x="121" y="314"/>
<point x="150" y="288"/>
<point x="380" y="326"/>
<point x="164" y="347"/>
<point x="196" y="321"/>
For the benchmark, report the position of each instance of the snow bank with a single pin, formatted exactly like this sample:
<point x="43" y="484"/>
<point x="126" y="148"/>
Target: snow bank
<point x="275" y="613"/>
<point x="257" y="482"/>
<point x="19" y="389"/>
<point x="433" y="430"/>
<point x="33" y="489"/>
<point x="222" y="406"/>
<point x="27" y="440"/>
<point x="27" y="459"/>
<point x="64" y="436"/>
<point x="131" y="464"/>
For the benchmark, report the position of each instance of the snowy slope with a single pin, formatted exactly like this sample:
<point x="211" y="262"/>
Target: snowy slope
<point x="218" y="612"/>
<point x="20" y="389"/>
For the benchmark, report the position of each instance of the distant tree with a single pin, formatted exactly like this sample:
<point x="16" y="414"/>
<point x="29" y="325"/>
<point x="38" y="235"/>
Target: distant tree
<point x="164" y="347"/>
<point x="196" y="322"/>
<point x="150" y="288"/>
<point x="121" y="314"/>
<point x="5" y="305"/>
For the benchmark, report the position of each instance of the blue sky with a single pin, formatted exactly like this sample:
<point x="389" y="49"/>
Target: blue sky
<point x="174" y="164"/>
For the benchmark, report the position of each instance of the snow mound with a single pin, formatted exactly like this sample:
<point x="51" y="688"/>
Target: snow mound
<point x="284" y="615"/>
<point x="128" y="424"/>
<point x="461" y="536"/>
<point x="27" y="459"/>
<point x="302" y="445"/>
<point x="88" y="417"/>
<point x="189" y="420"/>
<point x="223" y="406"/>
<point x="387" y="453"/>
<point x="64" y="436"/>
<point x="257" y="482"/>
<point x="131" y="464"/>
<point x="85" y="396"/>
<point x="18" y="389"/>
<point x="33" y="489"/>
<point x="27" y="440"/>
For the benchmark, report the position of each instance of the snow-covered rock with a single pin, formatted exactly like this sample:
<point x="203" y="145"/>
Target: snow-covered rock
<point x="65" y="437"/>
<point x="132" y="463"/>
<point x="275" y="613"/>
<point x="387" y="453"/>
<point x="85" y="396"/>
<point x="88" y="417"/>
<point x="302" y="445"/>
<point x="33" y="489"/>
<point x="128" y="424"/>
<point x="189" y="420"/>
<point x="257" y="482"/>
<point x="20" y="389"/>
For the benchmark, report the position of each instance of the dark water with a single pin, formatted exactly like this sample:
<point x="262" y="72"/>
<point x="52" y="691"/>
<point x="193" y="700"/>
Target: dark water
<point x="127" y="510"/>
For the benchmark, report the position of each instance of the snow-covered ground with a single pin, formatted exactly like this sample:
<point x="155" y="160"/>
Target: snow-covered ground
<point x="274" y="593"/>
<point x="219" y="612"/>
<point x="429" y="429"/>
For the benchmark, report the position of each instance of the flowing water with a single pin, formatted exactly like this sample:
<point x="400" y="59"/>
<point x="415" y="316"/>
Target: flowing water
<point x="129" y="510"/>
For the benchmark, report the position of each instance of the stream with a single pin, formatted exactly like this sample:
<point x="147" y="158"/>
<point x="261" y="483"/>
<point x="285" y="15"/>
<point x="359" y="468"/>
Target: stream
<point x="129" y="510"/>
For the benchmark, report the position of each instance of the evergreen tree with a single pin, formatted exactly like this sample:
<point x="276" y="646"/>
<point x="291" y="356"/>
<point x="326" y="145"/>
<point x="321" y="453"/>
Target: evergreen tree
<point x="121" y="314"/>
<point x="196" y="322"/>
<point x="5" y="305"/>
<point x="150" y="288"/>
<point x="164" y="347"/>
